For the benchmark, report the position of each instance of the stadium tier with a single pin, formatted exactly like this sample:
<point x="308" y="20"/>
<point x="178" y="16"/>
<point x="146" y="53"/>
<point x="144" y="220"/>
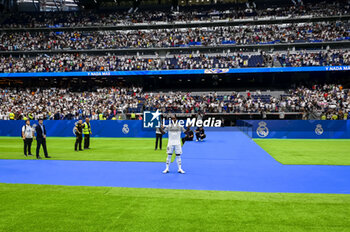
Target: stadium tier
<point x="85" y="63"/>
<point x="319" y="102"/>
<point x="174" y="115"/>
<point x="220" y="12"/>
<point x="180" y="37"/>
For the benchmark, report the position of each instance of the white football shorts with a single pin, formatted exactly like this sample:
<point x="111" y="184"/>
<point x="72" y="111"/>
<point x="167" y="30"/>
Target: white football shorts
<point x="177" y="148"/>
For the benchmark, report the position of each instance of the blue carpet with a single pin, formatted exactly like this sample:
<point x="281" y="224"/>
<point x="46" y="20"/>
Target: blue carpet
<point x="226" y="160"/>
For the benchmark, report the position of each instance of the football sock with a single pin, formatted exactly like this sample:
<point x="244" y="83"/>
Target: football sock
<point x="178" y="159"/>
<point x="168" y="160"/>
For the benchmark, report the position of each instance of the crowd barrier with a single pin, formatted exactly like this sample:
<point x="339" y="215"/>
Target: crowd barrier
<point x="286" y="129"/>
<point x="179" y="72"/>
<point x="64" y="128"/>
<point x="299" y="129"/>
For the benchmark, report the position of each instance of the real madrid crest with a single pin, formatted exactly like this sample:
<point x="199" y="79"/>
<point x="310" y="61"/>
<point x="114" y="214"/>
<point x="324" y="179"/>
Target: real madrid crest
<point x="262" y="131"/>
<point x="319" y="129"/>
<point x="125" y="129"/>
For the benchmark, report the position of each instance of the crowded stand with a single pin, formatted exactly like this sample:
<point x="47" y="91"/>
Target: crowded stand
<point x="105" y="49"/>
<point x="307" y="58"/>
<point x="181" y="37"/>
<point x="185" y="15"/>
<point x="84" y="62"/>
<point x="322" y="102"/>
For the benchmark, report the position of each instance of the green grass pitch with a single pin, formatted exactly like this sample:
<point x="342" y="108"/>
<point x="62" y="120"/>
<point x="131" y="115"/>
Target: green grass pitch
<point x="102" y="149"/>
<point x="41" y="208"/>
<point x="286" y="151"/>
<point x="308" y="151"/>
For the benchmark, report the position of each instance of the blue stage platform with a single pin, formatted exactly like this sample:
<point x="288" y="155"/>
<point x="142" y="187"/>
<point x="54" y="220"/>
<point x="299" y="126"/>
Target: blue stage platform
<point x="227" y="160"/>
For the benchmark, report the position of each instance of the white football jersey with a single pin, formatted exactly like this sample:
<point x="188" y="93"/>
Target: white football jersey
<point x="174" y="134"/>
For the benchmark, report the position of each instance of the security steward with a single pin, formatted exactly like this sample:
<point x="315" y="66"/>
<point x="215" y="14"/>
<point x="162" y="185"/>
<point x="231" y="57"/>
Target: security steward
<point x="41" y="139"/>
<point x="11" y="115"/>
<point x="159" y="136"/>
<point x="200" y="134"/>
<point x="78" y="131"/>
<point x="188" y="135"/>
<point x="87" y="132"/>
<point x="27" y="136"/>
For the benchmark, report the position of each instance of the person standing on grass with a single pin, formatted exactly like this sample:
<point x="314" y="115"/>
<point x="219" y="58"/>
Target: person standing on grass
<point x="41" y="139"/>
<point x="174" y="130"/>
<point x="87" y="132"/>
<point x="78" y="131"/>
<point x="159" y="137"/>
<point x="27" y="136"/>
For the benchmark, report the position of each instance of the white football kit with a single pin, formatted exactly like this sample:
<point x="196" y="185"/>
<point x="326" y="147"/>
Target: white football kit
<point x="174" y="138"/>
<point x="174" y="145"/>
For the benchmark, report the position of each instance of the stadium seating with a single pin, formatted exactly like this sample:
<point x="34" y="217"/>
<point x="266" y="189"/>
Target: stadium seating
<point x="63" y="104"/>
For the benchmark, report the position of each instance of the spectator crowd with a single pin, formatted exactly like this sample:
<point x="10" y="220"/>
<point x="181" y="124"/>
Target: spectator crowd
<point x="178" y="37"/>
<point x="318" y="102"/>
<point x="308" y="58"/>
<point x="64" y="62"/>
<point x="184" y="15"/>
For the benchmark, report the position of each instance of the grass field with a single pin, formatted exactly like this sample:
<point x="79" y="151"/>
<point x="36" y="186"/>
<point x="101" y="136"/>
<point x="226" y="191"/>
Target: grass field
<point x="64" y="208"/>
<point x="103" y="149"/>
<point x="41" y="208"/>
<point x="308" y="151"/>
<point x="286" y="151"/>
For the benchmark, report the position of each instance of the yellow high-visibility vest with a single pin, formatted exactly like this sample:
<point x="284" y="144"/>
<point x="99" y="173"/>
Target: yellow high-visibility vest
<point x="86" y="128"/>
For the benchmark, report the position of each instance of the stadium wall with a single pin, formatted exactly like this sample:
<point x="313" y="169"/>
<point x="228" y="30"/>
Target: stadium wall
<point x="178" y="72"/>
<point x="269" y="129"/>
<point x="298" y="129"/>
<point x="64" y="128"/>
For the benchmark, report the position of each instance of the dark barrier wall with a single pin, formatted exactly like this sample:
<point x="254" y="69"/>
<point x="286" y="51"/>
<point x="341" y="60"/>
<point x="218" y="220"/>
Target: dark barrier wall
<point x="64" y="128"/>
<point x="180" y="72"/>
<point x="133" y="128"/>
<point x="300" y="129"/>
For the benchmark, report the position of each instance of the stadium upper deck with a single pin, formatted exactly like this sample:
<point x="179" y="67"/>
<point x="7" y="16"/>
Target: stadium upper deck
<point x="206" y="48"/>
<point x="177" y="38"/>
<point x="186" y="17"/>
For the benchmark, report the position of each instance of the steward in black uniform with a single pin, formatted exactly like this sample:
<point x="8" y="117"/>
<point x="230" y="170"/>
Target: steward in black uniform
<point x="159" y="136"/>
<point x="78" y="131"/>
<point x="87" y="132"/>
<point x="200" y="134"/>
<point x="188" y="135"/>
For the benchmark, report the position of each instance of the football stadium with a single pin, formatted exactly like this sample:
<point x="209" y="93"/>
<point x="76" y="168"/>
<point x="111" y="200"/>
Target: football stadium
<point x="174" y="115"/>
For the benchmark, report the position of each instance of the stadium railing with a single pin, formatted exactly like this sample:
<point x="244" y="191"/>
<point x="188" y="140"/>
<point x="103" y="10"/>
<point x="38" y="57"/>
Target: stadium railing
<point x="166" y="25"/>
